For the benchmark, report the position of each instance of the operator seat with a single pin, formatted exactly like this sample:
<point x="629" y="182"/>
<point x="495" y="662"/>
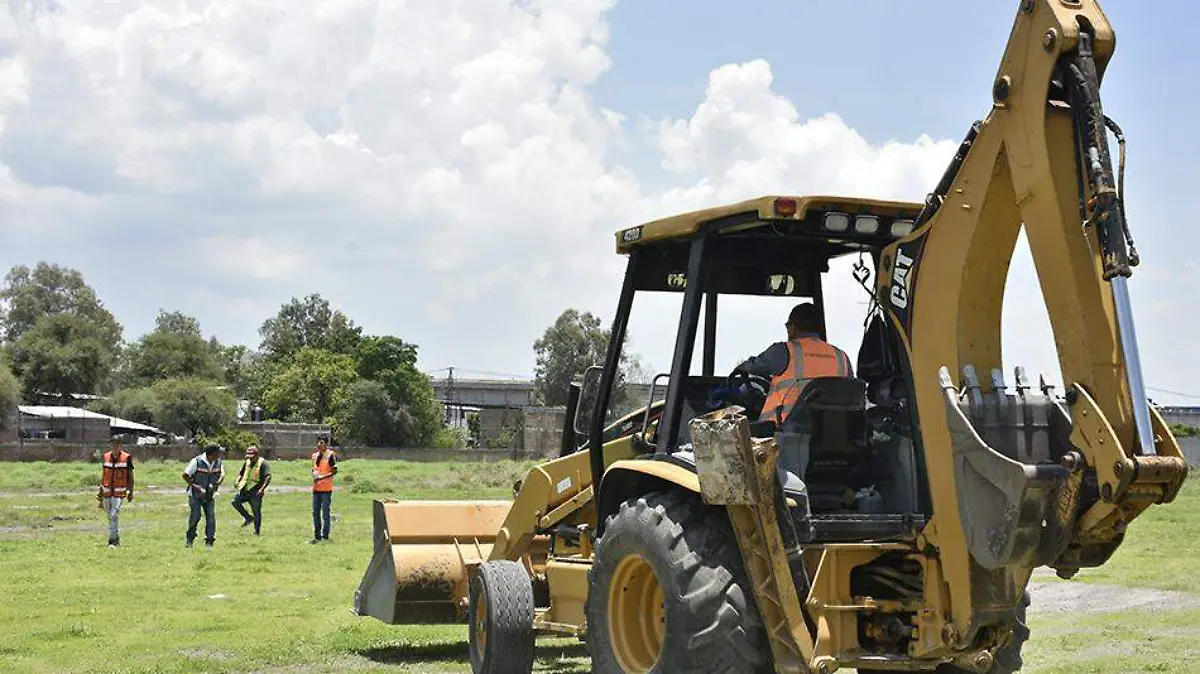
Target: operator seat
<point x="825" y="438"/>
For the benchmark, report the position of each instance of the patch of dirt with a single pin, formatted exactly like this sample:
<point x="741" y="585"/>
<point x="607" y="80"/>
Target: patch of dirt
<point x="200" y="653"/>
<point x="1077" y="597"/>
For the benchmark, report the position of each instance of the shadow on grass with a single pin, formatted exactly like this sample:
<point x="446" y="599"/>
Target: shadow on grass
<point x="549" y="659"/>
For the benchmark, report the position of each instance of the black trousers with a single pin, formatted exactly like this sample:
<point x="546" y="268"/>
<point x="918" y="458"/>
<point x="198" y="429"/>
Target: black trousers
<point x="255" y="500"/>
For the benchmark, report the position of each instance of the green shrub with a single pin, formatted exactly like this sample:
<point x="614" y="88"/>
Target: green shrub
<point x="233" y="440"/>
<point x="1184" y="430"/>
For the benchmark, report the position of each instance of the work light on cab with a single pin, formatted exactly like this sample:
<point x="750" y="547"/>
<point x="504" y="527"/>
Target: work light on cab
<point x="866" y="224"/>
<point x="837" y="222"/>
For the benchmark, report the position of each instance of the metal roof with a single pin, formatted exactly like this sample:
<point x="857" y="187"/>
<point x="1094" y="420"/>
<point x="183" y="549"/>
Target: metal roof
<point x="763" y="209"/>
<point x="64" y="412"/>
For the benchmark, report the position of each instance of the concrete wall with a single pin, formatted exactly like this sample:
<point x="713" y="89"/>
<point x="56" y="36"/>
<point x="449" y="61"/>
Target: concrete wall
<point x="1189" y="416"/>
<point x="542" y="431"/>
<point x="278" y="436"/>
<point x="48" y="451"/>
<point x="494" y="424"/>
<point x="1191" y="449"/>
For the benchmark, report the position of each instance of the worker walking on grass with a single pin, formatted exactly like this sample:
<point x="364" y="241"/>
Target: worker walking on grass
<point x="204" y="475"/>
<point x="116" y="485"/>
<point x="324" y="467"/>
<point x="252" y="481"/>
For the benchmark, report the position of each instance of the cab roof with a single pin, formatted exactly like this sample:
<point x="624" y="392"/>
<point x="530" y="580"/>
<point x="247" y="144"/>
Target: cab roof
<point x="766" y="211"/>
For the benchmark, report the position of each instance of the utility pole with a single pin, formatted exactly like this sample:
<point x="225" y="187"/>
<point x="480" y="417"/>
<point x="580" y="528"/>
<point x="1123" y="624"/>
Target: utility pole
<point x="450" y="397"/>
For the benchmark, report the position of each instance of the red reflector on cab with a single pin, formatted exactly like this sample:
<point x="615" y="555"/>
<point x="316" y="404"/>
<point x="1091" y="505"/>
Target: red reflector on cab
<point x="785" y="208"/>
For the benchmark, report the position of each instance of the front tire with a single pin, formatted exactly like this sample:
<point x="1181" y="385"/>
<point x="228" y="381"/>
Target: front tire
<point x="501" y="612"/>
<point x="668" y="594"/>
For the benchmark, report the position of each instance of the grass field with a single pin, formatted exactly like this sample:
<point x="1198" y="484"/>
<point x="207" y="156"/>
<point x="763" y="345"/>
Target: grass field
<point x="277" y="604"/>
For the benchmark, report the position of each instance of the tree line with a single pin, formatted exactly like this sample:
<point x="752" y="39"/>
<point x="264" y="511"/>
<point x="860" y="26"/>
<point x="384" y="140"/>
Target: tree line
<point x="312" y="365"/>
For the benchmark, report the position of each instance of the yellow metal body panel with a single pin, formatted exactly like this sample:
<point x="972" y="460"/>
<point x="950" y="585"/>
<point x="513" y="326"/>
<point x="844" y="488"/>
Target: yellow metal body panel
<point x="568" y="579"/>
<point x="684" y="225"/>
<point x="661" y="470"/>
<point x="1020" y="169"/>
<point x="418" y="572"/>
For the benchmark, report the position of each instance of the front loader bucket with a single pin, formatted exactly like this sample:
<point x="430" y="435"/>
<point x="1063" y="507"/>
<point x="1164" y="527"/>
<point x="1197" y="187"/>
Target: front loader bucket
<point x="418" y="571"/>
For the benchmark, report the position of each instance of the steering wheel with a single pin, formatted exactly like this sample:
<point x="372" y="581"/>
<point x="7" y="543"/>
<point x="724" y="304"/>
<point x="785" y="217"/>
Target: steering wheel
<point x="749" y="390"/>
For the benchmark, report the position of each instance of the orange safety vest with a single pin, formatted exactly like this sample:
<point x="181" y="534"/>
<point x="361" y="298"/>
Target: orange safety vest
<point x="816" y="359"/>
<point x="115" y="480"/>
<point x="323" y="465"/>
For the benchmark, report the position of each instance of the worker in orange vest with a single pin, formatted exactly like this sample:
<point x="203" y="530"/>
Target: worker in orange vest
<point x="791" y="364"/>
<point x="324" y="467"/>
<point x="116" y="485"/>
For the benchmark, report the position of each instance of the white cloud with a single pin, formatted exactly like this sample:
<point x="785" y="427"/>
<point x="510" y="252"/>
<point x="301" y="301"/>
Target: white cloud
<point x="436" y="168"/>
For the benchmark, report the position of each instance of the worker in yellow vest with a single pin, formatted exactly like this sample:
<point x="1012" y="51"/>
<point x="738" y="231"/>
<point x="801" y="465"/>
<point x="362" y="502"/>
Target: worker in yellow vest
<point x="252" y="481"/>
<point x="116" y="486"/>
<point x="791" y="364"/>
<point x="324" y="467"/>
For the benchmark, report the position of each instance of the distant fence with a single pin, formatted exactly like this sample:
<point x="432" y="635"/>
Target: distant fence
<point x="50" y="451"/>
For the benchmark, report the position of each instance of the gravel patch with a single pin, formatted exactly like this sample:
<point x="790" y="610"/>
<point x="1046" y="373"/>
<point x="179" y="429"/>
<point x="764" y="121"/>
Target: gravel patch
<point x="1076" y="597"/>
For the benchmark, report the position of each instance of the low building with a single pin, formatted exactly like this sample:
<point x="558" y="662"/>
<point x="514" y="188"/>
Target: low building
<point x="75" y="425"/>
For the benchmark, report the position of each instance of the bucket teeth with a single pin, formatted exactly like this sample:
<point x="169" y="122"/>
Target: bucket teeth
<point x="1022" y="383"/>
<point x="1046" y="385"/>
<point x="971" y="384"/>
<point x="998" y="381"/>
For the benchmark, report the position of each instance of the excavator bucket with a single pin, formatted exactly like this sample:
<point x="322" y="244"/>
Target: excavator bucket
<point x="419" y="571"/>
<point x="1005" y="497"/>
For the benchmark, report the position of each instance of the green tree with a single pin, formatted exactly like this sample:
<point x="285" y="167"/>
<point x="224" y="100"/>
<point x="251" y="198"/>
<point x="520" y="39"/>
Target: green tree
<point x="310" y="322"/>
<point x="367" y="416"/>
<point x="574" y="342"/>
<point x="193" y="406"/>
<point x="235" y="362"/>
<point x="307" y="388"/>
<point x="10" y="391"/>
<point x="175" y="349"/>
<point x="61" y="354"/>
<point x="135" y="404"/>
<point x="392" y="362"/>
<point x="565" y="350"/>
<point x="48" y="289"/>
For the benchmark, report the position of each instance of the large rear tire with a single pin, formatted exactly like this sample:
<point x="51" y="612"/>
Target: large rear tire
<point x="501" y="612"/>
<point x="668" y="594"/>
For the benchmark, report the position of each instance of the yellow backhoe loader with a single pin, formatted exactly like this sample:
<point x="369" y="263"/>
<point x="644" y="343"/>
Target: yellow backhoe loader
<point x="890" y="521"/>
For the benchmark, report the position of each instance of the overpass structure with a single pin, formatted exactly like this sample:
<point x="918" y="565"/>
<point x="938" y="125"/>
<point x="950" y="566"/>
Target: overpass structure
<point x="484" y="393"/>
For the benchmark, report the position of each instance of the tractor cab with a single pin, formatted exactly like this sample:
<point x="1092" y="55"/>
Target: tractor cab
<point x="847" y="453"/>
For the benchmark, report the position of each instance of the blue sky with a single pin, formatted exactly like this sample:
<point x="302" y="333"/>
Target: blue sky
<point x="433" y="167"/>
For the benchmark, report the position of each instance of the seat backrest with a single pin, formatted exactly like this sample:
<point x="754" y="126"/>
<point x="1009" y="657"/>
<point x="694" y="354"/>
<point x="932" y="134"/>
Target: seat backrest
<point x="833" y="411"/>
<point x="835" y="394"/>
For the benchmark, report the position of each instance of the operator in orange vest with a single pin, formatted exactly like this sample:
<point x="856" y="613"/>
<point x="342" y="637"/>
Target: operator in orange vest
<point x="324" y="467"/>
<point x="791" y="364"/>
<point x="116" y="485"/>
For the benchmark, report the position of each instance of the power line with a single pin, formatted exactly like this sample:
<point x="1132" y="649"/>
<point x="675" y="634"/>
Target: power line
<point x="1174" y="393"/>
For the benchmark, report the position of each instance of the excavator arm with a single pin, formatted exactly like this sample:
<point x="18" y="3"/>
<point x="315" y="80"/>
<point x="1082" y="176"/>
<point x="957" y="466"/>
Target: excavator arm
<point x="1002" y="503"/>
